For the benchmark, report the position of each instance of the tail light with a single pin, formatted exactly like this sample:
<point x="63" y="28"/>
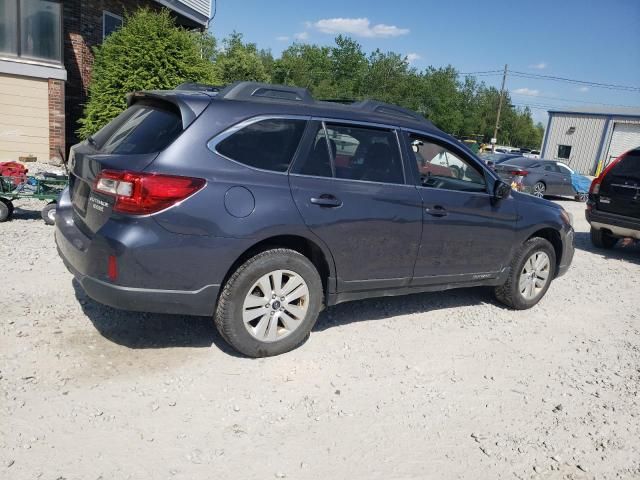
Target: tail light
<point x="595" y="185"/>
<point x="140" y="193"/>
<point x="521" y="173"/>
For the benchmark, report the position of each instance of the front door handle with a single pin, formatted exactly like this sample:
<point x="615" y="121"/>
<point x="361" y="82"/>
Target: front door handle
<point x="326" y="200"/>
<point x="436" y="211"/>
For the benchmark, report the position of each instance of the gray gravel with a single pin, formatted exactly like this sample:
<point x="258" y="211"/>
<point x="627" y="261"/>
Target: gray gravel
<point x="442" y="385"/>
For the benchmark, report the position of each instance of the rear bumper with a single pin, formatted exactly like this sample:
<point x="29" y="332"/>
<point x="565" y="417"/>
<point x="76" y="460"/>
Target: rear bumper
<point x="197" y="302"/>
<point x="617" y="225"/>
<point x="87" y="258"/>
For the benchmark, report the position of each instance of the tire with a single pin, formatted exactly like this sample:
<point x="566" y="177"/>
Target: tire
<point x="602" y="239"/>
<point x="539" y="189"/>
<point x="48" y="213"/>
<point x="582" y="197"/>
<point x="4" y="212"/>
<point x="6" y="209"/>
<point x="510" y="292"/>
<point x="243" y="294"/>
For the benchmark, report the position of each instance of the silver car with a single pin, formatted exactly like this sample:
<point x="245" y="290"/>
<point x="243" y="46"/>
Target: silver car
<point x="539" y="177"/>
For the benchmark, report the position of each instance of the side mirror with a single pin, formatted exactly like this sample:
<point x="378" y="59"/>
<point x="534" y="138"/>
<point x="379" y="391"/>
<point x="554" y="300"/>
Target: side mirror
<point x="501" y="190"/>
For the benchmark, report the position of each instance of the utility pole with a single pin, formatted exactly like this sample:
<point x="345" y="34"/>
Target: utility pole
<point x="495" y="131"/>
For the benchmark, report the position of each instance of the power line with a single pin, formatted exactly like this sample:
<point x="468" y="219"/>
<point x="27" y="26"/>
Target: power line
<point x="610" y="86"/>
<point x="569" y="100"/>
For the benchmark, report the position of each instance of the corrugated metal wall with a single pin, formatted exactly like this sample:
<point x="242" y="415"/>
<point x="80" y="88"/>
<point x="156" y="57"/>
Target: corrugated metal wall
<point x="201" y="6"/>
<point x="584" y="141"/>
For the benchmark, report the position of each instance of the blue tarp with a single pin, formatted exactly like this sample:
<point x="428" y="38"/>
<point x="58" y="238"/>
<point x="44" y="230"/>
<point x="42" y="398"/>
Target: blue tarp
<point x="580" y="183"/>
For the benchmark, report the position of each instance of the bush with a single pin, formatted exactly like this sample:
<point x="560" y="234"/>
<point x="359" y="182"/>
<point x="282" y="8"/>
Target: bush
<point x="149" y="52"/>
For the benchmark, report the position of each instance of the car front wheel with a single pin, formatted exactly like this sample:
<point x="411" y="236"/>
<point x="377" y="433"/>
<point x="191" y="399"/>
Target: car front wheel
<point x="270" y="303"/>
<point x="530" y="274"/>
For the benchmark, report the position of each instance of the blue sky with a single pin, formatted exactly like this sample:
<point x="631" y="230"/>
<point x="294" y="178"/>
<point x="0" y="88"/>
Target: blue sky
<point x="590" y="40"/>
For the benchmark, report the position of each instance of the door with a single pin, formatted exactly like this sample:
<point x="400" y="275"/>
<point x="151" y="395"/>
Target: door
<point x="554" y="179"/>
<point x="349" y="185"/>
<point x="566" y="183"/>
<point x="625" y="137"/>
<point x="466" y="235"/>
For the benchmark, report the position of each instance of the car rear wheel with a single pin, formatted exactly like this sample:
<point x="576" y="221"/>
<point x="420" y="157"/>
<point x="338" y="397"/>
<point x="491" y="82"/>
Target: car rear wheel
<point x="270" y="304"/>
<point x="539" y="190"/>
<point x="602" y="239"/>
<point x="530" y="274"/>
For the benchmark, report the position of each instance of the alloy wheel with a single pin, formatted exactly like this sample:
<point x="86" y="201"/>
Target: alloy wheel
<point x="534" y="275"/>
<point x="539" y="189"/>
<point x="275" y="305"/>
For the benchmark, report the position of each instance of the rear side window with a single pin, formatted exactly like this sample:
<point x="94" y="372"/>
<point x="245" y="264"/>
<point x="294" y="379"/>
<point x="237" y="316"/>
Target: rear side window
<point x="629" y="166"/>
<point x="140" y="129"/>
<point x="267" y="144"/>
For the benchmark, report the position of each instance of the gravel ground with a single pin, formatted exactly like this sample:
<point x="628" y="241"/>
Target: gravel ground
<point x="442" y="385"/>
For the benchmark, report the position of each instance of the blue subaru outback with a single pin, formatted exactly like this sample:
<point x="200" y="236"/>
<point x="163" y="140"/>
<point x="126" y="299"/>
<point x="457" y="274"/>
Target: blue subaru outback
<point x="258" y="205"/>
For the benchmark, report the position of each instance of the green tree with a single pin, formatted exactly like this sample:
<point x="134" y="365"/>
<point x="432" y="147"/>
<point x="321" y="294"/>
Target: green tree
<point x="148" y="52"/>
<point x="240" y="61"/>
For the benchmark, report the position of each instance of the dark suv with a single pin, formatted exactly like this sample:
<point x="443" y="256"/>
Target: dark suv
<point x="613" y="208"/>
<point x="258" y="205"/>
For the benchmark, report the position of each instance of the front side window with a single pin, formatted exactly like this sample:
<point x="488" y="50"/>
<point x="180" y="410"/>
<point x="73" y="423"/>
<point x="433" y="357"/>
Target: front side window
<point x="564" y="151"/>
<point x="31" y="29"/>
<point x="266" y="144"/>
<point x="440" y="167"/>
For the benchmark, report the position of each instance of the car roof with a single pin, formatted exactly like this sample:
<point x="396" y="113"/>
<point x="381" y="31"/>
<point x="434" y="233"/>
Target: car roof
<point x="265" y="98"/>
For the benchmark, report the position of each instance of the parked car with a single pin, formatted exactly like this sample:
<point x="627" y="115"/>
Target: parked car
<point x="492" y="159"/>
<point x="541" y="177"/>
<point x="234" y="206"/>
<point x="613" y="208"/>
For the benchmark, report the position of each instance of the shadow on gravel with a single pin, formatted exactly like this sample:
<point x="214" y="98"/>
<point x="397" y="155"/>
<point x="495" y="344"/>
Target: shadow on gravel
<point x="150" y="330"/>
<point x="630" y="254"/>
<point x="22" y="214"/>
<point x="385" y="307"/>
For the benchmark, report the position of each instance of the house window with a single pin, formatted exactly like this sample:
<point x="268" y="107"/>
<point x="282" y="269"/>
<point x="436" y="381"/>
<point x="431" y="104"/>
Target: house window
<point x="110" y="23"/>
<point x="564" y="151"/>
<point x="31" y="29"/>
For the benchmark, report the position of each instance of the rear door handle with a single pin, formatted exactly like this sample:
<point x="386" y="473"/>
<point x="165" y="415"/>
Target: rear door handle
<point x="436" y="211"/>
<point x="326" y="200"/>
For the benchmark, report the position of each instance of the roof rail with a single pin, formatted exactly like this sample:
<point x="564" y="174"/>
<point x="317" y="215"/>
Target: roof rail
<point x="266" y="92"/>
<point x="388" y="109"/>
<point x="199" y="87"/>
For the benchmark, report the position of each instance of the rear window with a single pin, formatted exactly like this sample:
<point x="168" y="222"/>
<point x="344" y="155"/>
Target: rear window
<point x="142" y="128"/>
<point x="629" y="166"/>
<point x="522" y="162"/>
<point x="267" y="144"/>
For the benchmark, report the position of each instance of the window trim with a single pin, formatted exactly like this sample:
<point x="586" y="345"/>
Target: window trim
<point x="488" y="175"/>
<point x="213" y="142"/>
<point x="106" y="13"/>
<point x="18" y="56"/>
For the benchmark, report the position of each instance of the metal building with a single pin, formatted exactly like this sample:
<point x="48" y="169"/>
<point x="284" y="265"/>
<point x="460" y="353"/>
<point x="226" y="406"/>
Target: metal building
<point x="588" y="138"/>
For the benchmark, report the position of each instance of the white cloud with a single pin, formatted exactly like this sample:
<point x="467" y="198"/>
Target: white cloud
<point x="359" y="27"/>
<point x="538" y="66"/>
<point x="412" y="57"/>
<point x="527" y="91"/>
<point x="301" y="36"/>
<point x="583" y="89"/>
<point x="282" y="38"/>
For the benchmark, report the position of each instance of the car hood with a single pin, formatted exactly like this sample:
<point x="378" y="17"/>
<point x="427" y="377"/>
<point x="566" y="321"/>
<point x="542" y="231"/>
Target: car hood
<point x="527" y="199"/>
